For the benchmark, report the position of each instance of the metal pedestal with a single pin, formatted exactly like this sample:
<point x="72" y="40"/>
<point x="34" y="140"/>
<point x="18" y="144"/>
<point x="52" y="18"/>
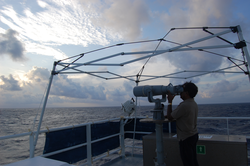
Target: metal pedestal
<point x="158" y="117"/>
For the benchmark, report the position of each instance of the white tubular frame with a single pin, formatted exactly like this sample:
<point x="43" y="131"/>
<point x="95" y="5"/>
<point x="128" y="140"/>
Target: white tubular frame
<point x="244" y="50"/>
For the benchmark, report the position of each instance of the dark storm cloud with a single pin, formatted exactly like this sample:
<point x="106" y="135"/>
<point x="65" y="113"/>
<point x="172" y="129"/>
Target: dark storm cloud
<point x="195" y="61"/>
<point x="118" y="95"/>
<point x="128" y="86"/>
<point x="11" y="46"/>
<point x="10" y="84"/>
<point x="74" y="90"/>
<point x="63" y="86"/>
<point x="96" y="92"/>
<point x="224" y="86"/>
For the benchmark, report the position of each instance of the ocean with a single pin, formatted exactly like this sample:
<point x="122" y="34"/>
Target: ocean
<point x="16" y="121"/>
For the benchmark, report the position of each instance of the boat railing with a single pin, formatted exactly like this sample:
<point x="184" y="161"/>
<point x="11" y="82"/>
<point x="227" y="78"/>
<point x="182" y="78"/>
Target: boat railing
<point x="88" y="143"/>
<point x="227" y="121"/>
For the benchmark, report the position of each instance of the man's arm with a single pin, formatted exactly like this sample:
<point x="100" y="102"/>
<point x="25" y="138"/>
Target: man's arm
<point x="169" y="110"/>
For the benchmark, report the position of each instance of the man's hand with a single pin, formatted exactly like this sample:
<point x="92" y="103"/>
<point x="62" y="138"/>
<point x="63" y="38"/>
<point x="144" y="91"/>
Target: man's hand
<point x="170" y="97"/>
<point x="169" y="111"/>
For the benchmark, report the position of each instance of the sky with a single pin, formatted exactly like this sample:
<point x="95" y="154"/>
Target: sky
<point x="36" y="33"/>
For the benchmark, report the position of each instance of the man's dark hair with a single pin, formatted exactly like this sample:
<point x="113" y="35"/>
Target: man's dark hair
<point x="191" y="88"/>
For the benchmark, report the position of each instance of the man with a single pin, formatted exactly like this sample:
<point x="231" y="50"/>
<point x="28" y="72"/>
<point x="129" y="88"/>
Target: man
<point x="186" y="122"/>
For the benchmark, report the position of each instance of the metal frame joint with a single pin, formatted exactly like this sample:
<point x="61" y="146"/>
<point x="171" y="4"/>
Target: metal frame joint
<point x="240" y="44"/>
<point x="234" y="29"/>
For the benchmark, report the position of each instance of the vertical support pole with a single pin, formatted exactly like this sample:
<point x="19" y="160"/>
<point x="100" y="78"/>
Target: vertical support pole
<point x="244" y="49"/>
<point x="44" y="106"/>
<point x="122" y="138"/>
<point x="169" y="127"/>
<point x="89" y="149"/>
<point x="227" y="130"/>
<point x="137" y="80"/>
<point x="159" y="145"/>
<point x="31" y="145"/>
<point x="158" y="117"/>
<point x="227" y="127"/>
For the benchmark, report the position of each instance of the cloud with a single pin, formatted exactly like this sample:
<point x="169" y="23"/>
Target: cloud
<point x="128" y="86"/>
<point x="56" y="23"/>
<point x="195" y="61"/>
<point x="118" y="92"/>
<point x="45" y="50"/>
<point x="38" y="74"/>
<point x="42" y="4"/>
<point x="34" y="85"/>
<point x="73" y="91"/>
<point x="204" y="95"/>
<point x="10" y="45"/>
<point x="59" y="22"/>
<point x="96" y="93"/>
<point x="224" y="86"/>
<point x="123" y="17"/>
<point x="10" y="84"/>
<point x="64" y="86"/>
<point x="198" y="13"/>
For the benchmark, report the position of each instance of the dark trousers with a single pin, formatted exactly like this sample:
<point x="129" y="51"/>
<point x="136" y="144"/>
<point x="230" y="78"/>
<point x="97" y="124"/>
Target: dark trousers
<point x="188" y="151"/>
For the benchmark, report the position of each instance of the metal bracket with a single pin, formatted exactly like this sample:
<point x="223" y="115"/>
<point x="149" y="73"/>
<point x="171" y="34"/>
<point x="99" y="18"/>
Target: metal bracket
<point x="240" y="44"/>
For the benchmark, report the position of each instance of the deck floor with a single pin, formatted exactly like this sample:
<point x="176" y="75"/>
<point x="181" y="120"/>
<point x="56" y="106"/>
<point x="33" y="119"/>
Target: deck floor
<point x="129" y="160"/>
<point x="137" y="160"/>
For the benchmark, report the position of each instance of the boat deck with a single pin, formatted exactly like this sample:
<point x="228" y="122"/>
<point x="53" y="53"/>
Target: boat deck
<point x="137" y="160"/>
<point x="129" y="160"/>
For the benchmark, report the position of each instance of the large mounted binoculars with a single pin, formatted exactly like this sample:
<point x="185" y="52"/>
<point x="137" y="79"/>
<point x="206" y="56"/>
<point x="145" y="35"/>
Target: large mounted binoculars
<point x="150" y="90"/>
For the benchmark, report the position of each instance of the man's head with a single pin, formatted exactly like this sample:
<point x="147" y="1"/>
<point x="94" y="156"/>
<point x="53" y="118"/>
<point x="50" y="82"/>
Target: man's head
<point x="190" y="90"/>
